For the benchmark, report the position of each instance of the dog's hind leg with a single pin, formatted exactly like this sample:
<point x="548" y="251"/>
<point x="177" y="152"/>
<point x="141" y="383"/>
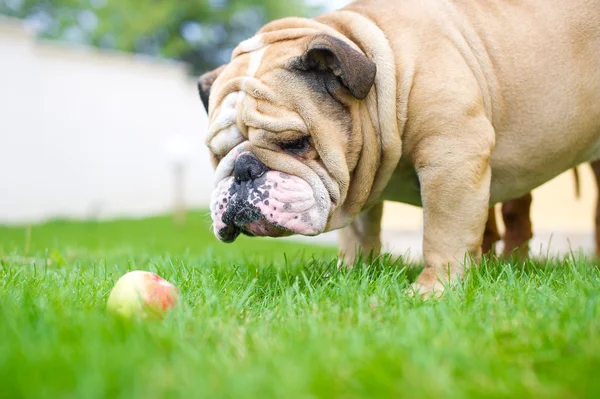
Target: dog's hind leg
<point x="491" y="235"/>
<point x="517" y="220"/>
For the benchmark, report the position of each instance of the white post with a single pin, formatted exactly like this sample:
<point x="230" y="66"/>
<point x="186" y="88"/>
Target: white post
<point x="179" y="150"/>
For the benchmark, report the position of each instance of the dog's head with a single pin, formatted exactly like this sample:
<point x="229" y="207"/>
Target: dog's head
<point x="286" y="134"/>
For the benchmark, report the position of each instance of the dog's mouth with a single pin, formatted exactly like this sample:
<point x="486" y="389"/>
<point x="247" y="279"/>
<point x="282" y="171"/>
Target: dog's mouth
<point x="275" y="205"/>
<point x="246" y="219"/>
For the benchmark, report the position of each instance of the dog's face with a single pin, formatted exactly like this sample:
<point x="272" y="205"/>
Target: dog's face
<point x="285" y="134"/>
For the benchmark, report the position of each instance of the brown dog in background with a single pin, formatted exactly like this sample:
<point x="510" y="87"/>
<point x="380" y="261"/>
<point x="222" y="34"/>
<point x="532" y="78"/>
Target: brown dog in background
<point x="517" y="221"/>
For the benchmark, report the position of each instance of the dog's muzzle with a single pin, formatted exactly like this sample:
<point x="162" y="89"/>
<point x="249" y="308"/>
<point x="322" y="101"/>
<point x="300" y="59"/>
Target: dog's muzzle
<point x="257" y="201"/>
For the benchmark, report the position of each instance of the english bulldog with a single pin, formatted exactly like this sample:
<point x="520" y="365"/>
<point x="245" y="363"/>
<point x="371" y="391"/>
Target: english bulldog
<point x="452" y="106"/>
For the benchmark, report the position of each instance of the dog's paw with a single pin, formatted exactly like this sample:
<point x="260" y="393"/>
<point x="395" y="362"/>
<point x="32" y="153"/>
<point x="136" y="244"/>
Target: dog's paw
<point x="425" y="291"/>
<point x="342" y="264"/>
<point x="346" y="263"/>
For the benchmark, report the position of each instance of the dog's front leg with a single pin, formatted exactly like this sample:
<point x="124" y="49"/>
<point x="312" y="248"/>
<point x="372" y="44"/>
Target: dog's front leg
<point x="455" y="174"/>
<point x="363" y="235"/>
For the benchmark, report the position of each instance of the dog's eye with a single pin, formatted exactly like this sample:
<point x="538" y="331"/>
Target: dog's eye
<point x="297" y="146"/>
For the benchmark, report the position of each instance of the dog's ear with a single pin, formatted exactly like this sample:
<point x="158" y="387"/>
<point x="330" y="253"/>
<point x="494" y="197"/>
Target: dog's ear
<point x="205" y="83"/>
<point x="355" y="71"/>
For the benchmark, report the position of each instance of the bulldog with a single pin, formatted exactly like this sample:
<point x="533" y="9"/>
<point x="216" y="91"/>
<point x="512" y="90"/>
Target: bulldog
<point x="517" y="221"/>
<point x="452" y="106"/>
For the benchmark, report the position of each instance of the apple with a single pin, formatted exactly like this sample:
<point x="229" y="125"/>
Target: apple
<point x="142" y="294"/>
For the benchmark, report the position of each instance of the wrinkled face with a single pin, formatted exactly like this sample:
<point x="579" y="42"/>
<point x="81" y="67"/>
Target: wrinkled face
<point x="284" y="134"/>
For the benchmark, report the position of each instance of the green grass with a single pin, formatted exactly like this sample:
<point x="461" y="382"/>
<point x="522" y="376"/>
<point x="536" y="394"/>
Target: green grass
<point x="271" y="319"/>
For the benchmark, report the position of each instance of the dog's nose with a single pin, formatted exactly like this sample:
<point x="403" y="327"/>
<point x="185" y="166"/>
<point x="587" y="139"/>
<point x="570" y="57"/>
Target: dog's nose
<point x="248" y="167"/>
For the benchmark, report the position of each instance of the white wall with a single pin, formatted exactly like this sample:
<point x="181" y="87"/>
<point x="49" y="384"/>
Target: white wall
<point x="84" y="131"/>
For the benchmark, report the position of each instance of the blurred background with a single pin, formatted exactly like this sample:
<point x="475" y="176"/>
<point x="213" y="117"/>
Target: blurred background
<point x="100" y="117"/>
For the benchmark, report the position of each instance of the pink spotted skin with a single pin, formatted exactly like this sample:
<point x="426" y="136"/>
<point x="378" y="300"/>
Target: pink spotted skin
<point x="276" y="204"/>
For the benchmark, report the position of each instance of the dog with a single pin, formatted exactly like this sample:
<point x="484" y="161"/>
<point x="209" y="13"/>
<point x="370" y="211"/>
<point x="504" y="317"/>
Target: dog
<point x="450" y="106"/>
<point x="517" y="221"/>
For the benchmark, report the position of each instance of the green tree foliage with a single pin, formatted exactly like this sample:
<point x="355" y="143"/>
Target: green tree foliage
<point x="201" y="32"/>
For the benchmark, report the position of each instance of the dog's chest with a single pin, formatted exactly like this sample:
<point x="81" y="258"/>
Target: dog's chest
<point x="403" y="187"/>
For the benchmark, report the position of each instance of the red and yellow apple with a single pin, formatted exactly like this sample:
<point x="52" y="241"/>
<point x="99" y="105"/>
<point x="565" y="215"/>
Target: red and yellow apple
<point x="142" y="294"/>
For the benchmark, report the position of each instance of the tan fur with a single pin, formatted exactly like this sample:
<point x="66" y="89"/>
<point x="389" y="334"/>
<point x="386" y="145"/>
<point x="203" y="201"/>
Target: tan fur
<point x="481" y="101"/>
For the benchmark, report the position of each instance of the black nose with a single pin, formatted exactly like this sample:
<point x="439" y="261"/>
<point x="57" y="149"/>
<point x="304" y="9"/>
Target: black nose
<point x="248" y="167"/>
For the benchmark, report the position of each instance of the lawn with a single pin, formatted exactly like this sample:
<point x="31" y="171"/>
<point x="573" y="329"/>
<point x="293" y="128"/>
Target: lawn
<point x="264" y="318"/>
